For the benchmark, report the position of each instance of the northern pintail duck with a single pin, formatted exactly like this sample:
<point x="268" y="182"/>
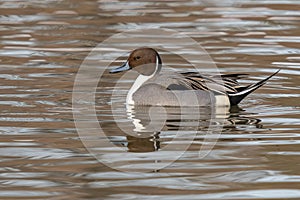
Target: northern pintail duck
<point x="181" y="89"/>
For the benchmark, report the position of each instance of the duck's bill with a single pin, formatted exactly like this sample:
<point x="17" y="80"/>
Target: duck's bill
<point x="124" y="67"/>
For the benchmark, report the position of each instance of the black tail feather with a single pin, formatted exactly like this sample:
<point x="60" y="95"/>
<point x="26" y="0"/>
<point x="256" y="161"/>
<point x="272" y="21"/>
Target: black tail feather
<point x="240" y="95"/>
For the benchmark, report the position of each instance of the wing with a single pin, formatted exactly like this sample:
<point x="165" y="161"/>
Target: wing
<point x="219" y="84"/>
<point x="224" y="84"/>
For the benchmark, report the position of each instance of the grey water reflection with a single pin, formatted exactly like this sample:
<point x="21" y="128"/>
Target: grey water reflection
<point x="152" y="128"/>
<point x="42" y="45"/>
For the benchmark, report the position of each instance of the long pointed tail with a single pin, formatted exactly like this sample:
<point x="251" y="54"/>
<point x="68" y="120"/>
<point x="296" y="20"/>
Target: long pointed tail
<point x="239" y="96"/>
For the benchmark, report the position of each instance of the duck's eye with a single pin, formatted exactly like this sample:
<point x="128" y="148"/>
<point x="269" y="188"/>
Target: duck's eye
<point x="137" y="58"/>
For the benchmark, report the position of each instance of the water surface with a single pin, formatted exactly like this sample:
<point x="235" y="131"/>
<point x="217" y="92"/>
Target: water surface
<point x="42" y="46"/>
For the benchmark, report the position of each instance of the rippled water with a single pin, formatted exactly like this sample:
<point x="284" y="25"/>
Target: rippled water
<point x="42" y="46"/>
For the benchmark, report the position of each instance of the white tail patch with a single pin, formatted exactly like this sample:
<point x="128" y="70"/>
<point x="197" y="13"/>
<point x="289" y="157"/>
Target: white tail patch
<point x="222" y="100"/>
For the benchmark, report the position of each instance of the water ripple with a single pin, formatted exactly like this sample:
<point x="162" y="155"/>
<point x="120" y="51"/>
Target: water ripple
<point x="43" y="44"/>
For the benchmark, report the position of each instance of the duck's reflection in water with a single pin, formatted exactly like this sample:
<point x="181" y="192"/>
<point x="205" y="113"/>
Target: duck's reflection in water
<point x="235" y="118"/>
<point x="148" y="144"/>
<point x="153" y="126"/>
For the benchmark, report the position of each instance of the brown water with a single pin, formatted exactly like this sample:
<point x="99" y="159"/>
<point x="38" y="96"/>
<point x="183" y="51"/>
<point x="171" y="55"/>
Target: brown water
<point x="43" y="44"/>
